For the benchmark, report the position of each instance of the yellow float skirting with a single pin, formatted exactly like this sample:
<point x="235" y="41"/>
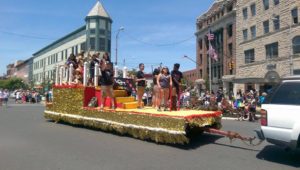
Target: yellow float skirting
<point x="159" y="135"/>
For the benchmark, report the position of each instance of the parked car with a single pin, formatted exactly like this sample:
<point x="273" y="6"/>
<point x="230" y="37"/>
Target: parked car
<point x="280" y="115"/>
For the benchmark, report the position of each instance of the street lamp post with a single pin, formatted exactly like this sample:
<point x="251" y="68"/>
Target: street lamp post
<point x="291" y="45"/>
<point x="117" y="37"/>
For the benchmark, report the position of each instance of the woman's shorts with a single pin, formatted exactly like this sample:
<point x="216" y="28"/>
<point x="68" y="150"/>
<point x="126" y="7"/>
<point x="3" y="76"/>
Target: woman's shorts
<point x="105" y="89"/>
<point x="140" y="90"/>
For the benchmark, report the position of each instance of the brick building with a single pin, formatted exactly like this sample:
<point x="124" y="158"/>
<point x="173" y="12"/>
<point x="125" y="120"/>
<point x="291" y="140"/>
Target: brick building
<point x="268" y="38"/>
<point x="220" y="19"/>
<point x="21" y="69"/>
<point x="191" y="76"/>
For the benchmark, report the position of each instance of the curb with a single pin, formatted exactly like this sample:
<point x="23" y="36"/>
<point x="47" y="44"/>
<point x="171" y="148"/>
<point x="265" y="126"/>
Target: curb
<point x="229" y="118"/>
<point x="232" y="118"/>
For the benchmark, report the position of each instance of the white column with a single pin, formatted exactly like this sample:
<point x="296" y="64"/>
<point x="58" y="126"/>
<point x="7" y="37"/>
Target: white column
<point x="116" y="71"/>
<point x="85" y="74"/>
<point x="125" y="70"/>
<point x="96" y="74"/>
<point x="70" y="74"/>
<point x="63" y="74"/>
<point x="60" y="75"/>
<point x="67" y="75"/>
<point x="56" y="75"/>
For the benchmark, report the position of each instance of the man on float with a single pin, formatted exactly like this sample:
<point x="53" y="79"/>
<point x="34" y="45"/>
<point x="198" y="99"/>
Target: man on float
<point x="141" y="84"/>
<point x="176" y="79"/>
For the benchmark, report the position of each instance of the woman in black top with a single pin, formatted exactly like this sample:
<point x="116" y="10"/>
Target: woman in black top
<point x="106" y="82"/>
<point x="155" y="97"/>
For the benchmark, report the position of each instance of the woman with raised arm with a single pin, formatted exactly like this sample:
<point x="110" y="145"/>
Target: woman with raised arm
<point x="164" y="82"/>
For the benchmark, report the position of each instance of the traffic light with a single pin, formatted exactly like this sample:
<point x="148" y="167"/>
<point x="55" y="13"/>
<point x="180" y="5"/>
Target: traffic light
<point x="229" y="66"/>
<point x="232" y="65"/>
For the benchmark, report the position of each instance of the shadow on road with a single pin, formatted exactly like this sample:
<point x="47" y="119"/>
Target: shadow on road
<point x="276" y="154"/>
<point x="195" y="142"/>
<point x="237" y="147"/>
<point x="198" y="141"/>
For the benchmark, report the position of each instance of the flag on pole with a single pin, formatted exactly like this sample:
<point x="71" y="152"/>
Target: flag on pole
<point x="212" y="53"/>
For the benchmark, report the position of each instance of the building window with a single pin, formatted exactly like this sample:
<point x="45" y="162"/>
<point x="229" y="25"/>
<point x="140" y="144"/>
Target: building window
<point x="272" y="50"/>
<point x="76" y="49"/>
<point x="253" y="31"/>
<point x="92" y="31"/>
<point x="101" y="31"/>
<point x="229" y="30"/>
<point x="66" y="54"/>
<point x="62" y="55"/>
<point x="296" y="45"/>
<point x="297" y="72"/>
<point x="82" y="46"/>
<point x="108" y="45"/>
<point x="276" y="2"/>
<point x="266" y="26"/>
<point x="201" y="73"/>
<point x="245" y="13"/>
<point x="245" y="34"/>
<point x="266" y="4"/>
<point x="92" y="43"/>
<point x="200" y="44"/>
<point x="102" y="44"/>
<point x="276" y="23"/>
<point x="295" y="15"/>
<point x="230" y="49"/>
<point x="229" y="8"/>
<point x="249" y="56"/>
<point x="253" y="9"/>
<point x="215" y="71"/>
<point x="201" y="59"/>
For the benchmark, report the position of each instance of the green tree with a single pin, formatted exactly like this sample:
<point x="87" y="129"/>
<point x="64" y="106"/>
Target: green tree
<point x="13" y="84"/>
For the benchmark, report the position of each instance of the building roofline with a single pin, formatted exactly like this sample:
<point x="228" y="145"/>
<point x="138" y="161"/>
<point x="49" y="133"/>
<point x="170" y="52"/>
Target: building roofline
<point x="59" y="40"/>
<point x="217" y="2"/>
<point x="97" y="17"/>
<point x="24" y="62"/>
<point x="98" y="10"/>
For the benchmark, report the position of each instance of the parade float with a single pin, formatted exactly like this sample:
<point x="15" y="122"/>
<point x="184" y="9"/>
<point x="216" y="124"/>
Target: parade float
<point x="71" y="105"/>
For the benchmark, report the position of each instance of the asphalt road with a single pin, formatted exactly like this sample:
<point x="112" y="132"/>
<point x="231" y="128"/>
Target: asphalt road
<point x="29" y="142"/>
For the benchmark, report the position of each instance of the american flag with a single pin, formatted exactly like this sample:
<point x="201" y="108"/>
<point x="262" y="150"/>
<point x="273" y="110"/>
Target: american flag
<point x="212" y="53"/>
<point x="210" y="36"/>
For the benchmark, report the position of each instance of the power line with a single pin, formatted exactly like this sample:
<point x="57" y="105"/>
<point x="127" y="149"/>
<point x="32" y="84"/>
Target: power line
<point x="158" y="45"/>
<point x="26" y="36"/>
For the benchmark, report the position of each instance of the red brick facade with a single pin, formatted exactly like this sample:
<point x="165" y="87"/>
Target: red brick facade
<point x="220" y="19"/>
<point x="190" y="75"/>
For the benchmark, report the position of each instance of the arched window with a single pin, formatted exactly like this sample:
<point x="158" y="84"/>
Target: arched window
<point x="296" y="45"/>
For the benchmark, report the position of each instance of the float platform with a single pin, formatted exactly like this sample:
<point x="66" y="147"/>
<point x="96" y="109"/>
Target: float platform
<point x="172" y="127"/>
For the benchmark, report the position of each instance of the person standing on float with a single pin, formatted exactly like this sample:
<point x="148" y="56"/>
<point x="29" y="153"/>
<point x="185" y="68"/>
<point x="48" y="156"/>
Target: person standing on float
<point x="106" y="82"/>
<point x="141" y="84"/>
<point x="176" y="78"/>
<point x="164" y="82"/>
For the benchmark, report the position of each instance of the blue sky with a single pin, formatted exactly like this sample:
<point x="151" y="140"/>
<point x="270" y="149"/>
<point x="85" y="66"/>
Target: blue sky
<point x="27" y="26"/>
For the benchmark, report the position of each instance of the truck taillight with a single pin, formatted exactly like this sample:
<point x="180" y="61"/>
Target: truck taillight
<point x="264" y="118"/>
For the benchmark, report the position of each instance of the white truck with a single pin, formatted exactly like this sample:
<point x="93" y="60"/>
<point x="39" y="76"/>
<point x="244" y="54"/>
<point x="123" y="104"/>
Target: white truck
<point x="280" y="115"/>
